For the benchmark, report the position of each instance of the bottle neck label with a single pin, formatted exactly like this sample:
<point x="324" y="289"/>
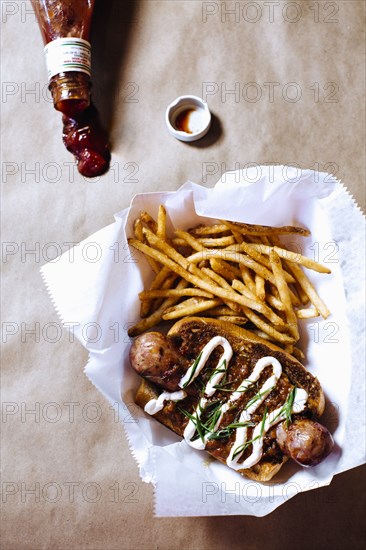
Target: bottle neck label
<point x="68" y="54"/>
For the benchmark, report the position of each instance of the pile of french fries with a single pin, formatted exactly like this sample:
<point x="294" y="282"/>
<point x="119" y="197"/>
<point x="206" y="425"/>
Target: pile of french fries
<point x="230" y="271"/>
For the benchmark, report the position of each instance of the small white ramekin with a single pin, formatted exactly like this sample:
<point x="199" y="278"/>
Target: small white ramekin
<point x="197" y="109"/>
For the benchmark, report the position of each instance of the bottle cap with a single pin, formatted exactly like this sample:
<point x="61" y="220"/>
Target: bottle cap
<point x="188" y="118"/>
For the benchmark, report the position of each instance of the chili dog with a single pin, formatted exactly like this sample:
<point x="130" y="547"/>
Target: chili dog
<point x="247" y="402"/>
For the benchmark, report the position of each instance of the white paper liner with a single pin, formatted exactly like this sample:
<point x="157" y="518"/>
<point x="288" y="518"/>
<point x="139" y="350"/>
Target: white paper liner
<point x="96" y="294"/>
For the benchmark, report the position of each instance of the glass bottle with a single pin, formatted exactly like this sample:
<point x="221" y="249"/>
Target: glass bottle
<point x="65" y="28"/>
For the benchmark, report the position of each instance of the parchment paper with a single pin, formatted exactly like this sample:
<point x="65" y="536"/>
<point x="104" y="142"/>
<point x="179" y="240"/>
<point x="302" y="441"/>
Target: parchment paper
<point x="100" y="293"/>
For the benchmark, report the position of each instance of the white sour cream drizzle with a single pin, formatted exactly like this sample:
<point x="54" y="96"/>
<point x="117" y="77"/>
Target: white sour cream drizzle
<point x="156" y="405"/>
<point x="260" y="430"/>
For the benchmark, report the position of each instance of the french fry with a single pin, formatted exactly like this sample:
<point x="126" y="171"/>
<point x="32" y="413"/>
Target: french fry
<point x="258" y="257"/>
<point x="253" y="239"/>
<point x="170" y="292"/>
<point x="169" y="283"/>
<point x="284" y="293"/>
<point x="183" y="262"/>
<point x="274" y="302"/>
<point x="161" y="228"/>
<point x="191" y="301"/>
<point x="310" y="291"/>
<point x="163" y="274"/>
<point x="148" y="221"/>
<point x="222" y="282"/>
<point x="138" y="230"/>
<point x="233" y="271"/>
<point x="162" y="258"/>
<point x="147" y="322"/>
<point x="247" y="278"/>
<point x="255" y="304"/>
<point x="155" y="317"/>
<point x="157" y="283"/>
<point x="230" y="254"/>
<point x="236" y="319"/>
<point x="155" y="266"/>
<point x="218" y="242"/>
<point x="221" y="310"/>
<point x="294" y="298"/>
<point x="175" y="256"/>
<point x="303" y="297"/>
<point x="165" y="248"/>
<point x="293" y="257"/>
<point x="189" y="308"/>
<point x="189" y="239"/>
<point x="264" y="335"/>
<point x="237" y="235"/>
<point x="251" y="301"/>
<point x="250" y="229"/>
<point x="237" y="257"/>
<point x="176" y="241"/>
<point x="308" y="313"/>
<point x="200" y="282"/>
<point x="208" y="229"/>
<point x="229" y="272"/>
<point x="259" y="287"/>
<point x="274" y="334"/>
<point x="265" y="240"/>
<point x="241" y="287"/>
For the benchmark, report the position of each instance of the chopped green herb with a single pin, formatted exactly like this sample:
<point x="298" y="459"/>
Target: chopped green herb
<point x="221" y="387"/>
<point x="212" y="412"/>
<point x="229" y="429"/>
<point x="263" y="421"/>
<point x="194" y="368"/>
<point x="213" y="417"/>
<point x="219" y="369"/>
<point x="245" y="445"/>
<point x="239" y="450"/>
<point x="255" y="398"/>
<point x="288" y="406"/>
<point x="196" y="421"/>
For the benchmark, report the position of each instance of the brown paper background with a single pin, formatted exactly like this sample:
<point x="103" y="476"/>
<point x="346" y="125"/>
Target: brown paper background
<point x="145" y="54"/>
